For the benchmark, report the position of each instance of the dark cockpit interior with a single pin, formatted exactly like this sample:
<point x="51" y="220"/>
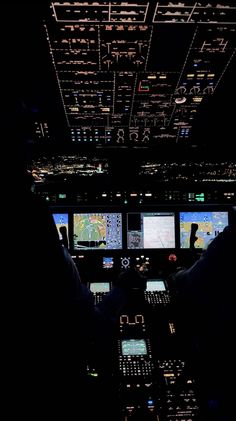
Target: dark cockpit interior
<point x="128" y="136"/>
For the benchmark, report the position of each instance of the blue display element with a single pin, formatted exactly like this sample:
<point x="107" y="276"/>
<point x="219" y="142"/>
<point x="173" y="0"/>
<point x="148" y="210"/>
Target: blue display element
<point x="60" y="218"/>
<point x="107" y="262"/>
<point x="210" y="224"/>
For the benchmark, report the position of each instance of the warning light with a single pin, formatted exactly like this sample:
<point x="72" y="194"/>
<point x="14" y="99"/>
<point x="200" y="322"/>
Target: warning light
<point x="172" y="257"/>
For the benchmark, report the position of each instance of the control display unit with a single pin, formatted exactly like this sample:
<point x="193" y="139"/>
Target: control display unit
<point x="135" y="358"/>
<point x="155" y="285"/>
<point x="97" y="287"/>
<point x="99" y="290"/>
<point x="156" y="293"/>
<point x="134" y="347"/>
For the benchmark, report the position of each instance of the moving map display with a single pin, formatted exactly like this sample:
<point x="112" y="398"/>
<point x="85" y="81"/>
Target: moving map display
<point x="97" y="231"/>
<point x="209" y="225"/>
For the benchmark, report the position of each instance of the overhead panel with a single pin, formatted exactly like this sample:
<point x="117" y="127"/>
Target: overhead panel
<point x="137" y="73"/>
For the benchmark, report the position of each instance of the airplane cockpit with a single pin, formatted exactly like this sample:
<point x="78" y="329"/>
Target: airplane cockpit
<point x="130" y="144"/>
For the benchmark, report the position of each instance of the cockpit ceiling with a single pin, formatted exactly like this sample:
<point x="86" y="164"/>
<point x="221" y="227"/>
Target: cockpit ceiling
<point x="138" y="73"/>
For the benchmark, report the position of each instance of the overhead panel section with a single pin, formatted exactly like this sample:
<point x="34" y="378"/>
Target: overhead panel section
<point x="136" y="73"/>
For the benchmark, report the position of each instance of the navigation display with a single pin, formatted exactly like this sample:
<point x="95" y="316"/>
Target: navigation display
<point x="148" y="230"/>
<point x="134" y="347"/>
<point x="207" y="226"/>
<point x="93" y="231"/>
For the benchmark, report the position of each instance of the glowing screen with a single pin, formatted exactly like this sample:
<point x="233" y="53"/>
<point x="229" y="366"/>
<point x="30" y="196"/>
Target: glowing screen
<point x="155" y="285"/>
<point x="107" y="262"/>
<point x="99" y="287"/>
<point x="154" y="230"/>
<point x="209" y="225"/>
<point x="97" y="231"/>
<point x="133" y="347"/>
<point x="61" y="220"/>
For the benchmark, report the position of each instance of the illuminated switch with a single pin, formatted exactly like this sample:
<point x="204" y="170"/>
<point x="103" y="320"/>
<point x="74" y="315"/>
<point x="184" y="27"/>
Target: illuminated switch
<point x="143" y="86"/>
